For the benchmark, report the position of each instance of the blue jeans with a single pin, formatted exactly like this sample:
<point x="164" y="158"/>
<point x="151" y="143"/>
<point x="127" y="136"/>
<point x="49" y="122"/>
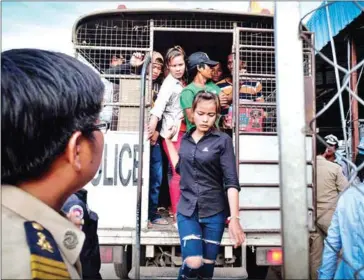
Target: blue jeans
<point x="200" y="237"/>
<point x="155" y="179"/>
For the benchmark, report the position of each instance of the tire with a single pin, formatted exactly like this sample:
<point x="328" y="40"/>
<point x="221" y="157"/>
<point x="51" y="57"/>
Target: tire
<point x="122" y="269"/>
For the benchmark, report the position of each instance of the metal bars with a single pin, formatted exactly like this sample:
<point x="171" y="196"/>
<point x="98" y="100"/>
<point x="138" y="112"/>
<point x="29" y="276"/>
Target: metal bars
<point x="109" y="45"/>
<point x="341" y="87"/>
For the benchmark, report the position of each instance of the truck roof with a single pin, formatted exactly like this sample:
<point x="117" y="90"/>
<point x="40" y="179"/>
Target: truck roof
<point x="151" y="13"/>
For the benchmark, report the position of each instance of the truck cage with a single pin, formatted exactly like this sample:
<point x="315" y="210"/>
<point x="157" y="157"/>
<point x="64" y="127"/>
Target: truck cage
<point x="103" y="37"/>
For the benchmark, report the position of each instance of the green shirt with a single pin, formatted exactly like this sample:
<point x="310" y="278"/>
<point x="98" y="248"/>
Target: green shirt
<point x="189" y="93"/>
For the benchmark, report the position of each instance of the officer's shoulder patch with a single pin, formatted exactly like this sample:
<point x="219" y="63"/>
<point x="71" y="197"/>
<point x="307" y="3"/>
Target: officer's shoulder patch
<point x="45" y="258"/>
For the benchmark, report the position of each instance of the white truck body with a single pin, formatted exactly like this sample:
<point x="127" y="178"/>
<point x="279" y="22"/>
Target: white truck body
<point x="113" y="191"/>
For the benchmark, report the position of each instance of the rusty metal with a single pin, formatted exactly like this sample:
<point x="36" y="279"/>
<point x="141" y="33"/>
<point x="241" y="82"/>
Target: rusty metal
<point x="354" y="101"/>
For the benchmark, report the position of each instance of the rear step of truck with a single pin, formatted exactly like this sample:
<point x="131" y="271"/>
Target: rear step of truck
<point x="223" y="273"/>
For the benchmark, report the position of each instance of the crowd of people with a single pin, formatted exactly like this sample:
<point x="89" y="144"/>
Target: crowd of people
<point x="201" y="159"/>
<point x="52" y="140"/>
<point x="51" y="106"/>
<point x="188" y="86"/>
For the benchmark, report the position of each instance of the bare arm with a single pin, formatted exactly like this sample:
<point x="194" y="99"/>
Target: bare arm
<point x="189" y="114"/>
<point x="229" y="98"/>
<point x="152" y="125"/>
<point x="225" y="99"/>
<point x="235" y="231"/>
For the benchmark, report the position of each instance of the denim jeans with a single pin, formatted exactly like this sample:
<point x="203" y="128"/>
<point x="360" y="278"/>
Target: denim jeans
<point x="155" y="179"/>
<point x="200" y="237"/>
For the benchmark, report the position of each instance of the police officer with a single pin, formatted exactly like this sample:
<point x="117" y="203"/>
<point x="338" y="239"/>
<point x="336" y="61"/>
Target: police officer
<point x="51" y="146"/>
<point x="76" y="208"/>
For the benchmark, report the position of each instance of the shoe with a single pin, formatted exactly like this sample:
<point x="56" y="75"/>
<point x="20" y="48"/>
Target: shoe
<point x="160" y="221"/>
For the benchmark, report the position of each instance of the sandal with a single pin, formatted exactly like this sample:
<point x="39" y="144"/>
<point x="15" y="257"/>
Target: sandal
<point x="160" y="221"/>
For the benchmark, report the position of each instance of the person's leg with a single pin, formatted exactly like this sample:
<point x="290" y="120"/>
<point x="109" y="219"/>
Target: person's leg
<point x="164" y="200"/>
<point x="156" y="173"/>
<point x="212" y="231"/>
<point x="316" y="248"/>
<point x="190" y="235"/>
<point x="174" y="189"/>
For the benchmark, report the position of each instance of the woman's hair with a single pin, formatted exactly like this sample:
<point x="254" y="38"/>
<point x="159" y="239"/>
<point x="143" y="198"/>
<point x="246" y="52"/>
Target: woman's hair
<point x="359" y="160"/>
<point x="204" y="95"/>
<point x="174" y="52"/>
<point x="160" y="78"/>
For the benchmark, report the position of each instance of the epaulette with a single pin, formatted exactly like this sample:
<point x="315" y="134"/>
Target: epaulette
<point x="45" y="258"/>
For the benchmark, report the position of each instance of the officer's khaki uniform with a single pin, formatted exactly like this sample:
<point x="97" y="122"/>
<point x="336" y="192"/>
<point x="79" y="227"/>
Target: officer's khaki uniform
<point x="19" y="207"/>
<point x="330" y="182"/>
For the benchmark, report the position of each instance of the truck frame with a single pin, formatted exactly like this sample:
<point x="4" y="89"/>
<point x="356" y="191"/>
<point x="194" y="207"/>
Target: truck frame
<point x="101" y="37"/>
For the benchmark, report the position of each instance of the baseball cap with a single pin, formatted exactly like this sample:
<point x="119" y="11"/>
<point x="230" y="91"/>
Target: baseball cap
<point x="200" y="57"/>
<point x="332" y="140"/>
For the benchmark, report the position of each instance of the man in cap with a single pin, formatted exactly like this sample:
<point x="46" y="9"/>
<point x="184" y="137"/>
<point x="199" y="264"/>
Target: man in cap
<point x="52" y="146"/>
<point x="332" y="153"/>
<point x="200" y="71"/>
<point x="330" y="183"/>
<point x="343" y="252"/>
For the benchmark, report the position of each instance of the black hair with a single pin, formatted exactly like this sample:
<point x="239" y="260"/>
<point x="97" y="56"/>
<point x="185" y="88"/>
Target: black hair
<point x="46" y="97"/>
<point x="359" y="160"/>
<point x="320" y="147"/>
<point x="193" y="71"/>
<point x="159" y="60"/>
<point x="206" y="95"/>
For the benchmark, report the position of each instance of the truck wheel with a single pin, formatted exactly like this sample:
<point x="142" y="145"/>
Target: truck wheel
<point x="122" y="269"/>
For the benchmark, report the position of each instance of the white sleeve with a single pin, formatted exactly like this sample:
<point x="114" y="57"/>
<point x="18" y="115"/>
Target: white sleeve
<point x="162" y="99"/>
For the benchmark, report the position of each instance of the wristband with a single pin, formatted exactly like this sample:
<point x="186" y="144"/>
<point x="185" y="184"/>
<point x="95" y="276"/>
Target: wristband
<point x="233" y="217"/>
